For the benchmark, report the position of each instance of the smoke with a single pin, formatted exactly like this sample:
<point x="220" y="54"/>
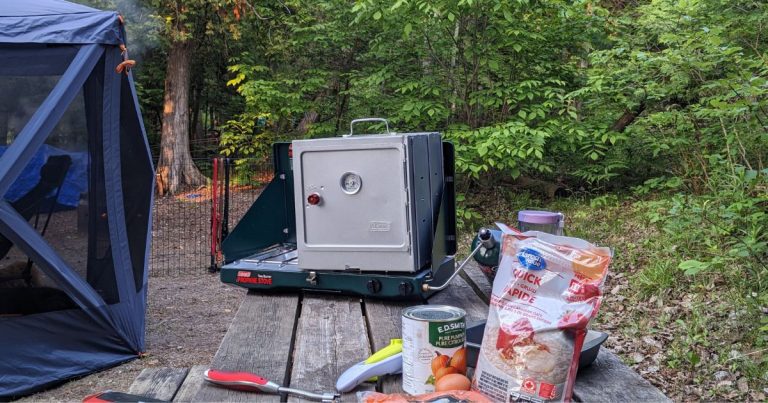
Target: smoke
<point x="143" y="26"/>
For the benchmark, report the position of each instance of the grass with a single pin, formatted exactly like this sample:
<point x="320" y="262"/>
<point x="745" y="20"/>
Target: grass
<point x="696" y="336"/>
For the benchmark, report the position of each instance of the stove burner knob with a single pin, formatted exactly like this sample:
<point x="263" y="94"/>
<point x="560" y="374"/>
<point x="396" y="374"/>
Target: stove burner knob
<point x="374" y="286"/>
<point x="405" y="288"/>
<point x="313" y="199"/>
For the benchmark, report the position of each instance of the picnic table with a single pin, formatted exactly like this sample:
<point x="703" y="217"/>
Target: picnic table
<point x="306" y="341"/>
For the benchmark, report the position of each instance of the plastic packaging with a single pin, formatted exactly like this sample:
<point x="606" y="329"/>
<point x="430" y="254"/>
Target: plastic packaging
<point x="449" y="396"/>
<point x="546" y="290"/>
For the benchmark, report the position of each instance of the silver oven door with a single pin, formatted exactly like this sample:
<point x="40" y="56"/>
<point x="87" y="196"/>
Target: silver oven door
<point x="352" y="204"/>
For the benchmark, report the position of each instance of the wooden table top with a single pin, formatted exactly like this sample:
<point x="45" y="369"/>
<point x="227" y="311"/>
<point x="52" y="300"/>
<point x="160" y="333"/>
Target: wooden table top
<point x="306" y="341"/>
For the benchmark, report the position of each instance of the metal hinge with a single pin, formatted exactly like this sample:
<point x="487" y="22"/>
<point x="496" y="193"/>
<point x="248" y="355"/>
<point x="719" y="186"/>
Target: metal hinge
<point x="405" y="174"/>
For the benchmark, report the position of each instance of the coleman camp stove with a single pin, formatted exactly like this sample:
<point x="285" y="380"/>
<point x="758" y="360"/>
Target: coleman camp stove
<point x="369" y="215"/>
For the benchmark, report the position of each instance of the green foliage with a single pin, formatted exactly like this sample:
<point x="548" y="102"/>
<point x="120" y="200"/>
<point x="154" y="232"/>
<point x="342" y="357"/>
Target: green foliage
<point x="547" y="88"/>
<point x="608" y="200"/>
<point x="297" y="68"/>
<point x="467" y="218"/>
<point x="692" y="75"/>
<point x="493" y="75"/>
<point x="722" y="233"/>
<point x="715" y="245"/>
<point x="247" y="136"/>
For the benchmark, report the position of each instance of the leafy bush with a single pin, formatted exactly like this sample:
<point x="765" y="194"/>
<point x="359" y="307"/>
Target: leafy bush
<point x="247" y="136"/>
<point x="722" y="233"/>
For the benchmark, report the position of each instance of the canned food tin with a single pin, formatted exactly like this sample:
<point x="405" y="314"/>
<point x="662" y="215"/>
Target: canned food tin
<point x="433" y="346"/>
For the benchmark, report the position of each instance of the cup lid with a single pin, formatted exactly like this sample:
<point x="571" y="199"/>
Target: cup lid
<point x="538" y="217"/>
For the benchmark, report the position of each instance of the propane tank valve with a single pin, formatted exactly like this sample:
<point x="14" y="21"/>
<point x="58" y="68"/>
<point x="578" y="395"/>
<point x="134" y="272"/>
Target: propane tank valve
<point x="486" y="238"/>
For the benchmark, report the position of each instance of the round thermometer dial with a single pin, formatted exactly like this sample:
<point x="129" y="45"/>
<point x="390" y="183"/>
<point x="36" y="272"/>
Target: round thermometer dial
<point x="351" y="183"/>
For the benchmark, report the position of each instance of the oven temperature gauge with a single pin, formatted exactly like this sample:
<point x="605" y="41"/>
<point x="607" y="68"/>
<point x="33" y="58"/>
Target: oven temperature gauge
<point x="351" y="183"/>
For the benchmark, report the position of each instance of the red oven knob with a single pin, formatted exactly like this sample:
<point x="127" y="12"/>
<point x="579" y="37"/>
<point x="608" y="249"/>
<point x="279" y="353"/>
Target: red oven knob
<point x="313" y="199"/>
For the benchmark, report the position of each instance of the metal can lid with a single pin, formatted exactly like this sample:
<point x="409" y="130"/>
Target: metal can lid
<point x="434" y="313"/>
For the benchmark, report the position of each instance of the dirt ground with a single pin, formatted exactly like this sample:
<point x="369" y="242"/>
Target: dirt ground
<point x="187" y="318"/>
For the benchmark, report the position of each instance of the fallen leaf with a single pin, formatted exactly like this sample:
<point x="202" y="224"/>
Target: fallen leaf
<point x="721" y="375"/>
<point x="743" y="385"/>
<point x="651" y="341"/>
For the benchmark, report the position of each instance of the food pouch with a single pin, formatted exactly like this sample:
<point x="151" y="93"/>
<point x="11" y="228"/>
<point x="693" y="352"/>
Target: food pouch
<point x="546" y="290"/>
<point x="459" y="396"/>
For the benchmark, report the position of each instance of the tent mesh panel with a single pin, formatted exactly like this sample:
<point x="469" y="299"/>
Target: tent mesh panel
<point x="61" y="193"/>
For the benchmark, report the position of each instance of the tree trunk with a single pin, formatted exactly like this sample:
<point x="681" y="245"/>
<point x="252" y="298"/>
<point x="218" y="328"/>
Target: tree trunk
<point x="306" y="122"/>
<point x="341" y="106"/>
<point x="175" y="168"/>
<point x="545" y="188"/>
<point x="627" y="118"/>
<point x="196" y="133"/>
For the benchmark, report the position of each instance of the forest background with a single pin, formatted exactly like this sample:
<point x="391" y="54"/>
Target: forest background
<point x="644" y="121"/>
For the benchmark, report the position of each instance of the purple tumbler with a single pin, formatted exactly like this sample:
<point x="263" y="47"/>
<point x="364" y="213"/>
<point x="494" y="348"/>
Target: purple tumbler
<point x="544" y="221"/>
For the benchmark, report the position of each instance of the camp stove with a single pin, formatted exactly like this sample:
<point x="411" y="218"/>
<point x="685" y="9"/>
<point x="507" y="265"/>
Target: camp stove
<point x="370" y="215"/>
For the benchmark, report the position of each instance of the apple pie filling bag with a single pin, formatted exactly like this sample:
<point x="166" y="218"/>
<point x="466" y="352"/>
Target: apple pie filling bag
<point x="546" y="290"/>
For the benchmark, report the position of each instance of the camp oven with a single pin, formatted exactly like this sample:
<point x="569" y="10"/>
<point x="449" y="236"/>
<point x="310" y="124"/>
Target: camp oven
<point x="362" y="214"/>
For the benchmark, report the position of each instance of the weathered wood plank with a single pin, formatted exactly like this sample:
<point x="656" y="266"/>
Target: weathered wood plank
<point x="474" y="273"/>
<point x="462" y="295"/>
<point x="191" y="385"/>
<point x="331" y="336"/>
<point x="385" y="323"/>
<point x="159" y="383"/>
<point x="258" y="341"/>
<point x="608" y="379"/>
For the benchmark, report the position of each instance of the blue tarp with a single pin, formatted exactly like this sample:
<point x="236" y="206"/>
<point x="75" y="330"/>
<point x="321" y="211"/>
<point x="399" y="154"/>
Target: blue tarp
<point x="75" y="183"/>
<point x="57" y="21"/>
<point x="100" y="321"/>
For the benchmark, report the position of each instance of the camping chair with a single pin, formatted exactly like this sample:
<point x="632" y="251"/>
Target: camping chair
<point x="52" y="175"/>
